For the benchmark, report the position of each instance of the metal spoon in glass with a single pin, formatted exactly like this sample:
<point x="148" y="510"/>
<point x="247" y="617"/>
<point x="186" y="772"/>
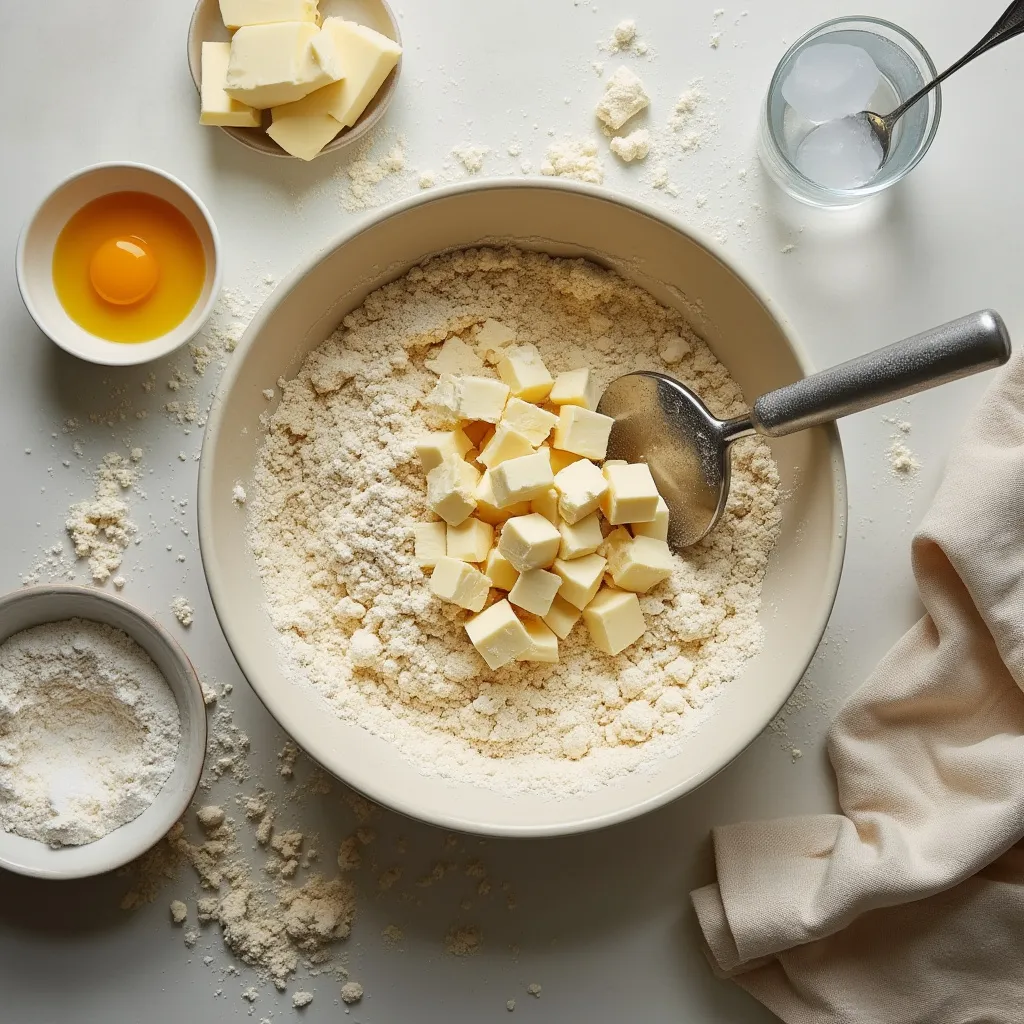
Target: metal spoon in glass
<point x="661" y="422"/>
<point x="1010" y="24"/>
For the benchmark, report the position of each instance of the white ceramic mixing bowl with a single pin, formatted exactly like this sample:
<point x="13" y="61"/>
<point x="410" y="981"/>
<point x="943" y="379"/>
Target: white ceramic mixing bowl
<point x="680" y="269"/>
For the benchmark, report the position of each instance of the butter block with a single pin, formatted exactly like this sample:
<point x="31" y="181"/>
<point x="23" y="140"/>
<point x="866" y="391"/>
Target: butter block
<point x="450" y="490"/>
<point x="529" y="542"/>
<point x="583" y="432"/>
<point x="487" y="507"/>
<point x="506" y="443"/>
<point x="237" y="13"/>
<point x="574" y="387"/>
<point x="458" y="582"/>
<point x="546" y="505"/>
<point x="561" y="617"/>
<point x="560" y="459"/>
<point x="543" y="643"/>
<point x="614" y="620"/>
<point x="522" y="479"/>
<point x="639" y="564"/>
<point x="431" y="543"/>
<point x="498" y="635"/>
<point x="216" y="106"/>
<point x="580" y="487"/>
<point x="492" y="339"/>
<point x="579" y="539"/>
<point x="469" y="541"/>
<point x="434" y="447"/>
<point x="470" y="398"/>
<point x="303" y="136"/>
<point x="632" y="495"/>
<point x="535" y="590"/>
<point x="500" y="571"/>
<point x="523" y="370"/>
<point x="271" y="65"/>
<point x="531" y="421"/>
<point x="581" y="578"/>
<point x="657" y="527"/>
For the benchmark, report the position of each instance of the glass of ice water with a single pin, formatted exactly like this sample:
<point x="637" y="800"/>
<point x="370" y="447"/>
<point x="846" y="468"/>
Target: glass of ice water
<point x="794" y="159"/>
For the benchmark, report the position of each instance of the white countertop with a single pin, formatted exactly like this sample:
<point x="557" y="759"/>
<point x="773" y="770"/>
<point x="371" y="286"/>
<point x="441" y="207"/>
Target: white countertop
<point x="602" y="921"/>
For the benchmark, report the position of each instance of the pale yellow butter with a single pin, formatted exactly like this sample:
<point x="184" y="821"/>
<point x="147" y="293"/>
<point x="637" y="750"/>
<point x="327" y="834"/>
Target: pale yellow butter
<point x="546" y="504"/>
<point x="574" y="387"/>
<point x="529" y="542"/>
<point x="560" y="459"/>
<point x="579" y="539"/>
<point x="580" y="487"/>
<point x="561" y="617"/>
<point x="498" y="635"/>
<point x="431" y="543"/>
<point x="236" y="13"/>
<point x="450" y="490"/>
<point x="217" y="107"/>
<point x="522" y="479"/>
<point x="469" y="541"/>
<point x="433" y="448"/>
<point x="487" y="507"/>
<point x="581" y="578"/>
<point x="632" y="495"/>
<point x="543" y="643"/>
<point x="639" y="563"/>
<point x="302" y="136"/>
<point x="470" y="398"/>
<point x="614" y="620"/>
<point x="523" y="370"/>
<point x="583" y="432"/>
<point x="500" y="571"/>
<point x="535" y="590"/>
<point x="491" y="340"/>
<point x="531" y="421"/>
<point x="458" y="582"/>
<point x="506" y="443"/>
<point x="657" y="527"/>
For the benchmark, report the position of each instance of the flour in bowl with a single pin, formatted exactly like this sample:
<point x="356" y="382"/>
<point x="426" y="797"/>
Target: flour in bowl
<point x="338" y="488"/>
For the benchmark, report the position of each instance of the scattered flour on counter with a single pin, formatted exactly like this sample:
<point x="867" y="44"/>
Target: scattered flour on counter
<point x="182" y="611"/>
<point x="471" y="157"/>
<point x="366" y="172"/>
<point x="89" y="732"/>
<point x="623" y="36"/>
<point x="634" y="146"/>
<point x="624" y="97"/>
<point x="574" y="158"/>
<point x="902" y="460"/>
<point x="99" y="527"/>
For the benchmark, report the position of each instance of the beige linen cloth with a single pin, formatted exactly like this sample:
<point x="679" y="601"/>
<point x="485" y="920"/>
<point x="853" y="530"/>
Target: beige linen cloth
<point x="909" y="906"/>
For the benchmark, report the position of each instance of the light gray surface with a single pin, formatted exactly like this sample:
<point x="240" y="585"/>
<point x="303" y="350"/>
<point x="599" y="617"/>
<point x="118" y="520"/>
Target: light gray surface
<point x="602" y="921"/>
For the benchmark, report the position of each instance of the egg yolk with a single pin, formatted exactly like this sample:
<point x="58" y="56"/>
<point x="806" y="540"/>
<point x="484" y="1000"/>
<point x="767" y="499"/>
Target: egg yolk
<point x="123" y="270"/>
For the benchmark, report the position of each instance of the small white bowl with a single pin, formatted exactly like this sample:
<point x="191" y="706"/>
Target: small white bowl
<point x="34" y="606"/>
<point x="34" y="263"/>
<point x="207" y="27"/>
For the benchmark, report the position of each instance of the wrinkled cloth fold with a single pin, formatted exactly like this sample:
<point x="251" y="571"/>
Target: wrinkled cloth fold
<point x="909" y="906"/>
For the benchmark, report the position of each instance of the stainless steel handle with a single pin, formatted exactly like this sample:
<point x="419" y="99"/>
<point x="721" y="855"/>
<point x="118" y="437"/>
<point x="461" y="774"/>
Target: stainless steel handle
<point x="954" y="350"/>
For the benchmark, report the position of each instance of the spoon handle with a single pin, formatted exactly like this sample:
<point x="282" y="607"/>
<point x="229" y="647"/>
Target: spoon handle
<point x="954" y="350"/>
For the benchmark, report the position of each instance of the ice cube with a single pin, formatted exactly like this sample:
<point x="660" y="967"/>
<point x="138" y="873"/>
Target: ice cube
<point x="830" y="80"/>
<point x="844" y="153"/>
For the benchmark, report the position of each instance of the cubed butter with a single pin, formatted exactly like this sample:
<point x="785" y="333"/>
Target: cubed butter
<point x="498" y="635"/>
<point x="434" y="447"/>
<point x="614" y="620"/>
<point x="561" y="617"/>
<point x="522" y="479"/>
<point x="531" y="421"/>
<point x="560" y="459"/>
<point x="639" y="564"/>
<point x="581" y="578"/>
<point x="500" y="571"/>
<point x="236" y="13"/>
<point x="579" y="539"/>
<point x="575" y="387"/>
<point x="507" y="443"/>
<point x="470" y="398"/>
<point x="632" y="495"/>
<point x="302" y="135"/>
<point x="450" y="490"/>
<point x="535" y="590"/>
<point x="529" y="542"/>
<point x="492" y="339"/>
<point x="580" y="487"/>
<point x="487" y="504"/>
<point x="546" y="505"/>
<point x="657" y="527"/>
<point x="469" y="541"/>
<point x="431" y="543"/>
<point x="523" y="370"/>
<point x="543" y="643"/>
<point x="458" y="582"/>
<point x="216" y="106"/>
<point x="271" y="65"/>
<point x="583" y="432"/>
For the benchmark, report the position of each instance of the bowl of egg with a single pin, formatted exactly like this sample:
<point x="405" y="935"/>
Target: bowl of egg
<point x="120" y="264"/>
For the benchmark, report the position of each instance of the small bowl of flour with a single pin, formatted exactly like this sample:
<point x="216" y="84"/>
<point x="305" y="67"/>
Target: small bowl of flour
<point x="102" y="732"/>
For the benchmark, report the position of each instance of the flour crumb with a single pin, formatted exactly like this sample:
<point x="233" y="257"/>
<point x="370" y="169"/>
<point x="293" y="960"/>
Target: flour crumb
<point x="210" y="817"/>
<point x="471" y="156"/>
<point x="99" y="527"/>
<point x="622" y="36"/>
<point x="634" y="146"/>
<point x="393" y="935"/>
<point x="463" y="941"/>
<point x="301" y="999"/>
<point x="209" y="694"/>
<point x="716" y="39"/>
<point x="624" y="98"/>
<point x="428" y="179"/>
<point x="250" y="995"/>
<point x="534" y="990"/>
<point x="574" y="158"/>
<point x="510" y="1005"/>
<point x="238" y="494"/>
<point x="902" y="460"/>
<point x="268" y="394"/>
<point x="179" y="912"/>
<point x="287" y="755"/>
<point x="182" y="611"/>
<point x="787" y="248"/>
<point x="119" y="582"/>
<point x="366" y="173"/>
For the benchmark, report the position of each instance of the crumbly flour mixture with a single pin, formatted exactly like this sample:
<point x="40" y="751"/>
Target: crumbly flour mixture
<point x="89" y="732"/>
<point x="339" y="486"/>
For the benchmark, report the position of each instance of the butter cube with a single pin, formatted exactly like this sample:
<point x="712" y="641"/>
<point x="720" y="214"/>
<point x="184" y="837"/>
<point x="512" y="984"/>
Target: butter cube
<point x="236" y="13"/>
<point x="614" y="620"/>
<point x="450" y="490"/>
<point x="580" y="487"/>
<point x="522" y="479"/>
<point x="632" y="495"/>
<point x="433" y="448"/>
<point x="639" y="564"/>
<point x="216" y="106"/>
<point x="583" y="432"/>
<point x="579" y="539"/>
<point x="543" y="643"/>
<point x="575" y="387"/>
<point x="487" y="504"/>
<point x="431" y="543"/>
<point x="560" y="459"/>
<point x="546" y="505"/>
<point x="469" y="541"/>
<point x="523" y="370"/>
<point x="301" y="135"/>
<point x="458" y="582"/>
<point x="498" y="635"/>
<point x="561" y="617"/>
<point x="470" y="398"/>
<point x="535" y="590"/>
<point x="532" y="422"/>
<point x="581" y="578"/>
<point x="529" y="542"/>
<point x="507" y="443"/>
<point x="500" y="571"/>
<point x="271" y="65"/>
<point x="657" y="527"/>
<point x="491" y="340"/>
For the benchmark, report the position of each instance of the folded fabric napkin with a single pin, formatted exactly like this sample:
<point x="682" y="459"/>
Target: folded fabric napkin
<point x="909" y="906"/>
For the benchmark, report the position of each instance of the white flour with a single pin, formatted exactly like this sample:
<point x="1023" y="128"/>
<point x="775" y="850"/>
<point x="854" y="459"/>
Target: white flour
<point x="89" y="732"/>
<point x="338" y="487"/>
